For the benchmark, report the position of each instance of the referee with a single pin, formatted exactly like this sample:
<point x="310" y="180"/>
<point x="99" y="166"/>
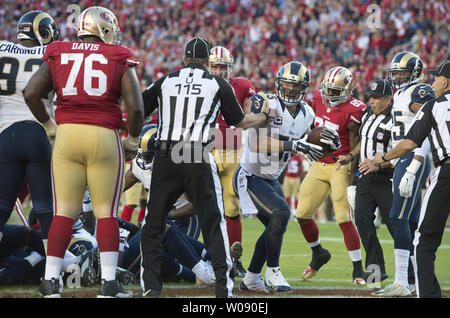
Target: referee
<point x="188" y="102"/>
<point x="433" y="121"/>
<point x="374" y="185"/>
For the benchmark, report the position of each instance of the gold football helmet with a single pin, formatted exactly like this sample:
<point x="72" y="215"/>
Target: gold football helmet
<point x="337" y="85"/>
<point x="221" y="62"/>
<point x="292" y="82"/>
<point x="100" y="22"/>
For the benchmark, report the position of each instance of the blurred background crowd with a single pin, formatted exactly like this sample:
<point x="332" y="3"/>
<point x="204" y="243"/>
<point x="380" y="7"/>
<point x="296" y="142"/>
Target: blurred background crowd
<point x="263" y="35"/>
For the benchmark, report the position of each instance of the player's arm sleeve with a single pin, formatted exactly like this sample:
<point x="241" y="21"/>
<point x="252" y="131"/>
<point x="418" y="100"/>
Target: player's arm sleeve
<point x="422" y="124"/>
<point x="150" y="97"/>
<point x="229" y="106"/>
<point x="421" y="94"/>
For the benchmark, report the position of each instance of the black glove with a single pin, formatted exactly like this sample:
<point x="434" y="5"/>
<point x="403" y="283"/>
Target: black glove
<point x="331" y="138"/>
<point x="301" y="146"/>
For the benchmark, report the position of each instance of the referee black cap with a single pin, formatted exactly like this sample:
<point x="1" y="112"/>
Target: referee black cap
<point x="197" y="48"/>
<point x="442" y="70"/>
<point x="380" y="87"/>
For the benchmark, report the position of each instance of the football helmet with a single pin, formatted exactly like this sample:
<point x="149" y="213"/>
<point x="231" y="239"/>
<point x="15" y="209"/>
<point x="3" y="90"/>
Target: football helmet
<point x="337" y="86"/>
<point x="100" y="22"/>
<point x="38" y="26"/>
<point x="406" y="68"/>
<point x="147" y="147"/>
<point x="292" y="82"/>
<point x="221" y="56"/>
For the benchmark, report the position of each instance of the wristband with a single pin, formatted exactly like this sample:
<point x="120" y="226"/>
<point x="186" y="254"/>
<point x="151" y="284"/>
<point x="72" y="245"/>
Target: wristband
<point x="414" y="166"/>
<point x="133" y="141"/>
<point x="287" y="145"/>
<point x="384" y="159"/>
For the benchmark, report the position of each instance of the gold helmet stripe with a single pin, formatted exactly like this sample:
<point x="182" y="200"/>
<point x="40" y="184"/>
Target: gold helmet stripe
<point x="405" y="59"/>
<point x="146" y="138"/>
<point x="37" y="20"/>
<point x="287" y="70"/>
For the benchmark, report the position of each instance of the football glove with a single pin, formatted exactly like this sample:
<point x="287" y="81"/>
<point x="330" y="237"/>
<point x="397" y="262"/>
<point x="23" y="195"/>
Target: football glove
<point x="302" y="146"/>
<point x="130" y="146"/>
<point x="331" y="138"/>
<point x="407" y="182"/>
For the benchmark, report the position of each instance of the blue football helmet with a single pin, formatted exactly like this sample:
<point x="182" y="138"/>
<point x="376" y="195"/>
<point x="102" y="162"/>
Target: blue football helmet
<point x="37" y="26"/>
<point x="406" y="68"/>
<point x="147" y="147"/>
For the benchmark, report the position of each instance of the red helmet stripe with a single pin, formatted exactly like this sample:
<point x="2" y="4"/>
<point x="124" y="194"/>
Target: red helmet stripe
<point x="333" y="75"/>
<point x="82" y="18"/>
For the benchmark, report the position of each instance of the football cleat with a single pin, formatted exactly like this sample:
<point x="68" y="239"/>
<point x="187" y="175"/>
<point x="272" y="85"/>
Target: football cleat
<point x="275" y="281"/>
<point x="253" y="283"/>
<point x="393" y="290"/>
<point x="236" y="253"/>
<point x="87" y="270"/>
<point x="204" y="276"/>
<point x="112" y="289"/>
<point x="148" y="294"/>
<point x="318" y="260"/>
<point x="359" y="279"/>
<point x="50" y="288"/>
<point x="126" y="277"/>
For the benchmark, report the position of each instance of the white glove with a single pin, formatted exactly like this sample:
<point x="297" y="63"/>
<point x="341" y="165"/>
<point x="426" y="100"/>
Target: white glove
<point x="407" y="182"/>
<point x="331" y="138"/>
<point x="312" y="151"/>
<point x="351" y="194"/>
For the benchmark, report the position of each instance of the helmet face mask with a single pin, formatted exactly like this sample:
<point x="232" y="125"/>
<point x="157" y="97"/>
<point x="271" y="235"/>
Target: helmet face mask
<point x="337" y="86"/>
<point x="221" y="62"/>
<point x="147" y="147"/>
<point x="292" y="83"/>
<point x="406" y="68"/>
<point x="144" y="159"/>
<point x="37" y="26"/>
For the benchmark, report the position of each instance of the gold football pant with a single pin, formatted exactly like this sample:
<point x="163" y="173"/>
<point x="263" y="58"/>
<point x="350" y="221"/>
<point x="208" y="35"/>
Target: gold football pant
<point x="227" y="161"/>
<point x="320" y="180"/>
<point x="87" y="156"/>
<point x="291" y="186"/>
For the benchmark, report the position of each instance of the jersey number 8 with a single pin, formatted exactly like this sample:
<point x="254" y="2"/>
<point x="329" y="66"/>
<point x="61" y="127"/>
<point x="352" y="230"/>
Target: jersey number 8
<point x="89" y="73"/>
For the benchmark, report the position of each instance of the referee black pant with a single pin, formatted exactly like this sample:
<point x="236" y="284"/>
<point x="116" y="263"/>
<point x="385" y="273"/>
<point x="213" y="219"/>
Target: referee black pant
<point x="428" y="237"/>
<point x="372" y="191"/>
<point x="200" y="180"/>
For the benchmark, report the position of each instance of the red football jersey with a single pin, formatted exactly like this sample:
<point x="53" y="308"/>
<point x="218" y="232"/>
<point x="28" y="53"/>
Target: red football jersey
<point x="337" y="118"/>
<point x="87" y="80"/>
<point x="294" y="167"/>
<point x="231" y="138"/>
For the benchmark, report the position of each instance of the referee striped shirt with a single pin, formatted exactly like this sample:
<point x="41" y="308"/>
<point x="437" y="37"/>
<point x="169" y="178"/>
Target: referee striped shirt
<point x="433" y="121"/>
<point x="375" y="133"/>
<point x="189" y="101"/>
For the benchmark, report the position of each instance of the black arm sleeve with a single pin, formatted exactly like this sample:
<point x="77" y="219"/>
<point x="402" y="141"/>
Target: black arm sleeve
<point x="229" y="106"/>
<point x="150" y="96"/>
<point x="422" y="125"/>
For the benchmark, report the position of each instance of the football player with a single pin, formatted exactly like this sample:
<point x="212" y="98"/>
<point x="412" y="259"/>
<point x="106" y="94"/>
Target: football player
<point x="266" y="153"/>
<point x="89" y="77"/>
<point x="336" y="110"/>
<point x="25" y="150"/>
<point x="227" y="150"/>
<point x="411" y="171"/>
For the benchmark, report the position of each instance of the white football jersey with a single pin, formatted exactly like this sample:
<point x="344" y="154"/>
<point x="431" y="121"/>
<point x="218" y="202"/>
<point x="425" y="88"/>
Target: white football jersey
<point x="286" y="126"/>
<point x="17" y="64"/>
<point x="145" y="176"/>
<point x="402" y="116"/>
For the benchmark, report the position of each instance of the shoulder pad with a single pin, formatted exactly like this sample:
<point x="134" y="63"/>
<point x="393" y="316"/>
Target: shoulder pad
<point x="257" y="101"/>
<point x="422" y="93"/>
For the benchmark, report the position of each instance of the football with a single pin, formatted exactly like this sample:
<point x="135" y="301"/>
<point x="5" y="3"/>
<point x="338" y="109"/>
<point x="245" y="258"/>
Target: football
<point x="314" y="138"/>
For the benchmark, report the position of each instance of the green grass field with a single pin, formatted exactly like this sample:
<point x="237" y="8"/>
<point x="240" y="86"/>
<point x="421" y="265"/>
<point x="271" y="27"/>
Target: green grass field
<point x="337" y="273"/>
<point x="295" y="257"/>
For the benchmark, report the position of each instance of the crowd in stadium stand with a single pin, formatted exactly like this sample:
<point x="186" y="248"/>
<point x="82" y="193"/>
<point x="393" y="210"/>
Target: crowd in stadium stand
<point x="263" y="35"/>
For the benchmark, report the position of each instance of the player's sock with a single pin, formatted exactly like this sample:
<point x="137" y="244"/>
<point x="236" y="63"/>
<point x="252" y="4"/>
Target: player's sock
<point x="351" y="238"/>
<point x="108" y="245"/>
<point x="234" y="229"/>
<point x="401" y="266"/>
<point x="141" y="215"/>
<point x="127" y="212"/>
<point x="34" y="258"/>
<point x="310" y="232"/>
